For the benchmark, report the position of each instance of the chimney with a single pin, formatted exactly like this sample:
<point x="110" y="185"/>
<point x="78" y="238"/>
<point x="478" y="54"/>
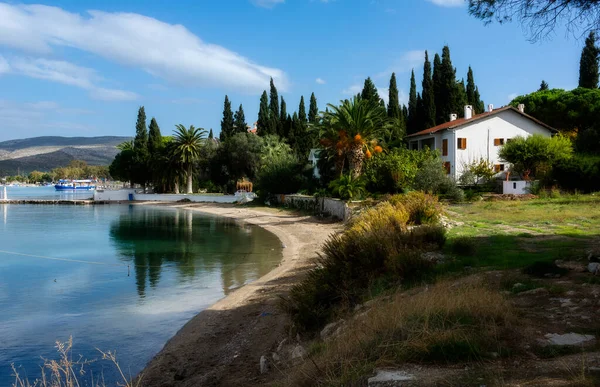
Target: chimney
<point x="490" y="108"/>
<point x="521" y="108"/>
<point x="453" y="117"/>
<point x="468" y="112"/>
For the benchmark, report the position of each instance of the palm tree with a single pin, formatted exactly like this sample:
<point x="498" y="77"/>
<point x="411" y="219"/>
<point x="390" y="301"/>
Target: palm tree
<point x="187" y="146"/>
<point x="352" y="131"/>
<point x="125" y="146"/>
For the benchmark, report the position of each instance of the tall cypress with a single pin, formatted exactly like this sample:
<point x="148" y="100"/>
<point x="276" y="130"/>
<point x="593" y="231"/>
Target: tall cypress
<point x="437" y="87"/>
<point x="420" y="113"/>
<point x="262" y="124"/>
<point x="393" y="109"/>
<point x="140" y="170"/>
<point x="273" y="101"/>
<point x="428" y="116"/>
<point x="480" y="107"/>
<point x="313" y="109"/>
<point x="369" y="91"/>
<point x="412" y="122"/>
<point x="140" y="142"/>
<point x="471" y="89"/>
<point x="405" y="113"/>
<point x="302" y="111"/>
<point x="240" y="125"/>
<point x="282" y="119"/>
<point x="227" y="121"/>
<point x="588" y="64"/>
<point x="447" y="90"/>
<point x="460" y="98"/>
<point x="154" y="137"/>
<point x="543" y="86"/>
<point x="210" y="134"/>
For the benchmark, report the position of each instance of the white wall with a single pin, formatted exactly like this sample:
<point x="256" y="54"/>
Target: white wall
<point x="516" y="187"/>
<point x="327" y="206"/>
<point x="117" y="195"/>
<point x="123" y="195"/>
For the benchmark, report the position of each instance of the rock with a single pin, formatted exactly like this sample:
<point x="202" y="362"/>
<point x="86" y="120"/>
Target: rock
<point x="594" y="268"/>
<point x="518" y="285"/>
<point x="534" y="292"/>
<point x="568" y="338"/>
<point x="298" y="353"/>
<point x="331" y="328"/>
<point x="433" y="256"/>
<point x="571" y="293"/>
<point x="264" y="364"/>
<point x="385" y="378"/>
<point x="280" y="346"/>
<point x="571" y="265"/>
<point x="275" y="357"/>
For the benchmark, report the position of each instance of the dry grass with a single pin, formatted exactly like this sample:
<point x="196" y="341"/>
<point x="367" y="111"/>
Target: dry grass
<point x="66" y="372"/>
<point x="445" y="323"/>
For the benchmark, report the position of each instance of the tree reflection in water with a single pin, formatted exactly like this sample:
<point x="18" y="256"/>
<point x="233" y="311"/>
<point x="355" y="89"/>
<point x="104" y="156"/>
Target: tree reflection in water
<point x="153" y="239"/>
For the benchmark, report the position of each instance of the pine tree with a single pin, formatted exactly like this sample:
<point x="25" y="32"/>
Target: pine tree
<point x="154" y="137"/>
<point x="302" y="111"/>
<point x="437" y="87"/>
<point x="447" y="96"/>
<point x="227" y="121"/>
<point x="543" y="86"/>
<point x="588" y="64"/>
<point x="428" y="114"/>
<point x="140" y="142"/>
<point x="263" y="125"/>
<point x="412" y="122"/>
<point x="369" y="91"/>
<point x="393" y="110"/>
<point x="240" y="125"/>
<point x="313" y="110"/>
<point x="282" y="120"/>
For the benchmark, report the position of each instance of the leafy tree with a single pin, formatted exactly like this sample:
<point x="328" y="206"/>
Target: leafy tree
<point x="540" y="16"/>
<point x="238" y="157"/>
<point x="588" y="64"/>
<point x="282" y="120"/>
<point x="352" y="130"/>
<point x="227" y="123"/>
<point x="543" y="86"/>
<point x="210" y="134"/>
<point x="187" y="147"/>
<point x="478" y="171"/>
<point x="239" y="121"/>
<point x="313" y="110"/>
<point x="263" y="125"/>
<point x="535" y="155"/>
<point x="412" y="122"/>
<point x="437" y="86"/>
<point x="122" y="167"/>
<point x="428" y="115"/>
<point x="473" y="98"/>
<point x="154" y="137"/>
<point x="447" y="94"/>
<point x="369" y="92"/>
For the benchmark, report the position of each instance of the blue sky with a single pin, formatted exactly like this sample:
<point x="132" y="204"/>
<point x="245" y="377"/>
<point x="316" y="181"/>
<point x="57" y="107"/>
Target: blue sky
<point x="82" y="68"/>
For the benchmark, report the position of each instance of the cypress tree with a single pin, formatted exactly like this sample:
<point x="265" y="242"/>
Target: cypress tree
<point x="273" y="101"/>
<point x="420" y="120"/>
<point x="428" y="114"/>
<point x="369" y="91"/>
<point x="313" y="110"/>
<point x="282" y="119"/>
<point x="240" y="125"/>
<point x="480" y="107"/>
<point x="543" y="86"/>
<point x="437" y="88"/>
<point x="393" y="110"/>
<point x="289" y="130"/>
<point x="154" y="137"/>
<point x="302" y="111"/>
<point x="588" y="64"/>
<point x="412" y="122"/>
<point x="263" y="125"/>
<point x="140" y="142"/>
<point x="471" y="89"/>
<point x="405" y="113"/>
<point x="210" y="134"/>
<point x="227" y="121"/>
<point x="460" y="98"/>
<point x="448" y="98"/>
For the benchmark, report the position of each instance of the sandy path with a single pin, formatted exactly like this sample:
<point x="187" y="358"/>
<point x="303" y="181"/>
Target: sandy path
<point x="223" y="344"/>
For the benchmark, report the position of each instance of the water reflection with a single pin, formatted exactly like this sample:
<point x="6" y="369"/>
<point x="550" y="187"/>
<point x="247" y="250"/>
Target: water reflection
<point x="193" y="244"/>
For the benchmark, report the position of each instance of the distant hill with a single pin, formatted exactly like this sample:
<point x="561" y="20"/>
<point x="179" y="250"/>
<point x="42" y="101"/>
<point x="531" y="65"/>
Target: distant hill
<point x="46" y="153"/>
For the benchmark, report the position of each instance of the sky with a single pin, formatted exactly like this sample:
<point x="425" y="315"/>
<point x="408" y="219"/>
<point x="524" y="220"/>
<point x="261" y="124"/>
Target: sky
<point x="83" y="68"/>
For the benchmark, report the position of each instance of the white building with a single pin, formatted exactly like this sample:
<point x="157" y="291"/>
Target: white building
<point x="462" y="141"/>
<point x="313" y="159"/>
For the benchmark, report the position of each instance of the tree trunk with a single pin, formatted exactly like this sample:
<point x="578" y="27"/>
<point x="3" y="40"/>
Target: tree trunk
<point x="176" y="189"/>
<point x="356" y="158"/>
<point x="190" y="188"/>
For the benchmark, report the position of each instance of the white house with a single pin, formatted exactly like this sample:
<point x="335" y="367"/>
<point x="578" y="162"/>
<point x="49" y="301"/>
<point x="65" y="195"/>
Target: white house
<point x="462" y="141"/>
<point x="313" y="159"/>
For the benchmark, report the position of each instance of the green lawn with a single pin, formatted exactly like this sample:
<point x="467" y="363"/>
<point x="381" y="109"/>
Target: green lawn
<point x="510" y="234"/>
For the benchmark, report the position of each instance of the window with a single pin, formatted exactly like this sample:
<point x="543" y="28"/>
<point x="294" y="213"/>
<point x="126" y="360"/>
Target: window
<point x="514" y="185"/>
<point x="498" y="141"/>
<point x="498" y="168"/>
<point x="447" y="167"/>
<point x="462" y="143"/>
<point x="445" y="147"/>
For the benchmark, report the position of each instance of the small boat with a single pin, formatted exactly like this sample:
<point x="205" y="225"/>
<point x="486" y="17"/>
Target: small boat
<point x="75" y="185"/>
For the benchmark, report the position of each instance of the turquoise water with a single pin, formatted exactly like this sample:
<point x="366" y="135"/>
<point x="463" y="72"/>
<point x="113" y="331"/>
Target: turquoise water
<point x="179" y="262"/>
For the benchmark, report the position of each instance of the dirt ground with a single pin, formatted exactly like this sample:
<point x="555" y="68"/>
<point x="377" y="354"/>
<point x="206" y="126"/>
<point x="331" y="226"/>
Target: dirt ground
<point x="222" y="345"/>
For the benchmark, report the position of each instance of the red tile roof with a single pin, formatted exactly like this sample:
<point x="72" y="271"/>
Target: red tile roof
<point x="462" y="121"/>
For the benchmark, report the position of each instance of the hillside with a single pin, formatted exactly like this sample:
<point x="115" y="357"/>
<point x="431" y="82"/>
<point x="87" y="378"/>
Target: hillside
<point x="46" y="153"/>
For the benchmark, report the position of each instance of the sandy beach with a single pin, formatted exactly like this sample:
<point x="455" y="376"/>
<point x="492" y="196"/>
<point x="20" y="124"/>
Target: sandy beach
<point x="222" y="345"/>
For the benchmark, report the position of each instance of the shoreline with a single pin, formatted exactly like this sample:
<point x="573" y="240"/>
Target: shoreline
<point x="223" y="343"/>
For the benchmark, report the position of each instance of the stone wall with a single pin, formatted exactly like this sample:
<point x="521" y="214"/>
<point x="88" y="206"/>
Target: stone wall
<point x="323" y="206"/>
<point x="123" y="195"/>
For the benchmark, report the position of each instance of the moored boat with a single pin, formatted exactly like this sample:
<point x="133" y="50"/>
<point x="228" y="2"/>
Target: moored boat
<point x="75" y="185"/>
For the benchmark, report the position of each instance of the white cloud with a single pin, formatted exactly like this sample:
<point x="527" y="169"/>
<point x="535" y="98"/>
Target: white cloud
<point x="68" y="74"/>
<point x="448" y="3"/>
<point x="168" y="51"/>
<point x="320" y="81"/>
<point x="353" y="89"/>
<point x="267" y="3"/>
<point x="4" y="66"/>
<point x="408" y="61"/>
<point x="512" y="96"/>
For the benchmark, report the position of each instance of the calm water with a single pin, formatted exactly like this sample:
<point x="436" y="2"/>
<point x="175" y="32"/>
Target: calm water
<point x="180" y="263"/>
<point x="46" y="193"/>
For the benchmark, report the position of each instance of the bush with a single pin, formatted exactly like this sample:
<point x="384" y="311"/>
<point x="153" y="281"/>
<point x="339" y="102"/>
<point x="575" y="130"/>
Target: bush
<point x="432" y="178"/>
<point x="422" y="208"/>
<point x="348" y="187"/>
<point x="281" y="174"/>
<point x="580" y="173"/>
<point x="464" y="246"/>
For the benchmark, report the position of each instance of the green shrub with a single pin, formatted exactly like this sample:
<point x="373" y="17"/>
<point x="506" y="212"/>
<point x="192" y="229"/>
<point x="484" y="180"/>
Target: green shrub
<point x="464" y="246"/>
<point x="580" y="173"/>
<point x="348" y="187"/>
<point x="432" y="178"/>
<point x="422" y="208"/>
